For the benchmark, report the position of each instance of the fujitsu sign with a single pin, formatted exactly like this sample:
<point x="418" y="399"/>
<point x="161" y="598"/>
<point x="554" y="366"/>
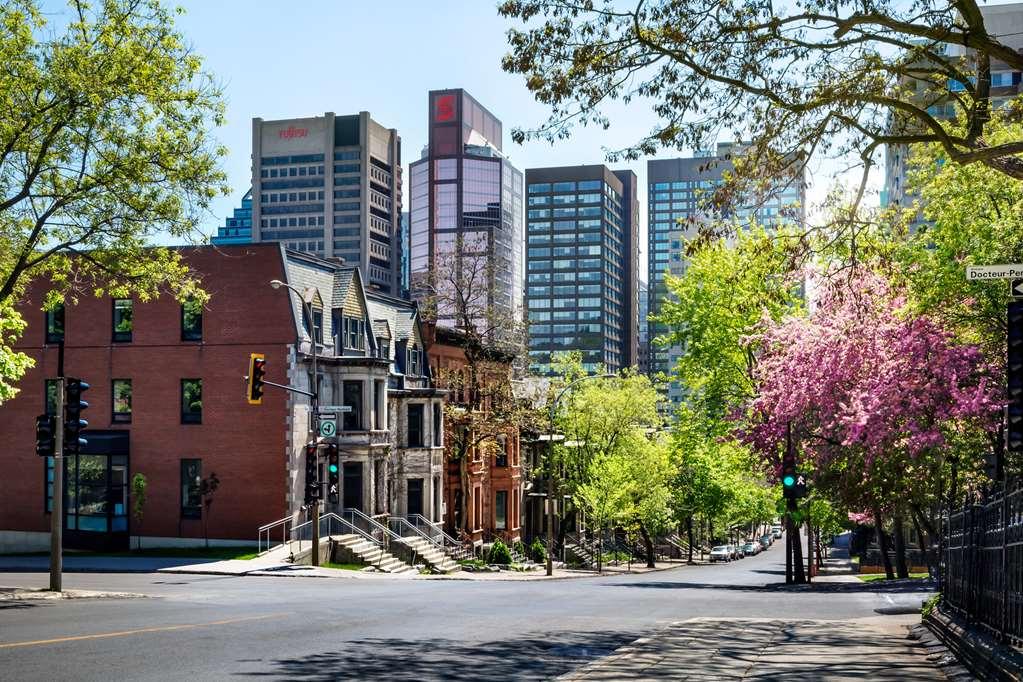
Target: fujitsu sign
<point x="291" y="132"/>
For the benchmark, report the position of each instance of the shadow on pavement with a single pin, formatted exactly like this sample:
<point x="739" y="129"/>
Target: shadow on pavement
<point x="537" y="656"/>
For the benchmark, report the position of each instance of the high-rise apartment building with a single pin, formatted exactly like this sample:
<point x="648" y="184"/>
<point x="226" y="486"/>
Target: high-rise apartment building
<point x="237" y="228"/>
<point x="676" y="199"/>
<point x="465" y="192"/>
<point x="331" y="186"/>
<point x="643" y="346"/>
<point x="581" y="265"/>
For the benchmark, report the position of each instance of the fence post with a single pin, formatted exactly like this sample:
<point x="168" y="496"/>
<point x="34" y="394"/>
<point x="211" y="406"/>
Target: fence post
<point x="1005" y="563"/>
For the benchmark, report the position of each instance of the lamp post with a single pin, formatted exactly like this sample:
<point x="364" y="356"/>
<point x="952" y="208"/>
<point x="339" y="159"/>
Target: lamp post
<point x="550" y="465"/>
<point x="307" y="304"/>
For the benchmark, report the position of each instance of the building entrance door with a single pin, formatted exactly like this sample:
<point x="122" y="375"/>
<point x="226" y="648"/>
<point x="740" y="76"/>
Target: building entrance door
<point x="96" y="493"/>
<point x="415" y="497"/>
<point x="352" y="486"/>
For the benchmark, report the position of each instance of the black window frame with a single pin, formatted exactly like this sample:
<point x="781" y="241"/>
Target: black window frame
<point x="49" y="321"/>
<point x="191" y="417"/>
<point x="352" y="420"/>
<point x="121" y="336"/>
<point x="115" y="416"/>
<point x="188" y="334"/>
<point x="498" y="524"/>
<point x="415" y="438"/>
<point x="437" y="425"/>
<point x="187" y="493"/>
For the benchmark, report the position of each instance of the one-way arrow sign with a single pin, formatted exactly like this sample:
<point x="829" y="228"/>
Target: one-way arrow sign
<point x="1016" y="288"/>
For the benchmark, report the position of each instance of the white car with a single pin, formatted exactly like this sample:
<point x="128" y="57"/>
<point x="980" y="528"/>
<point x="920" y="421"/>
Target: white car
<point x="721" y="553"/>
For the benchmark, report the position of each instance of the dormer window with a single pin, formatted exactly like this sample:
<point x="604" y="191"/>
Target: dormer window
<point x="414" y="361"/>
<point x="317" y="323"/>
<point x="383" y="348"/>
<point x="355" y="335"/>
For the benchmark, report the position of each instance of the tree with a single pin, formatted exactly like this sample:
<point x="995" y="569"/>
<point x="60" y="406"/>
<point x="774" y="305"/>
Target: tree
<point x="797" y="79"/>
<point x="138" y="501"/>
<point x="207" y="487"/>
<point x="461" y="291"/>
<point x="875" y="397"/>
<point x="103" y="147"/>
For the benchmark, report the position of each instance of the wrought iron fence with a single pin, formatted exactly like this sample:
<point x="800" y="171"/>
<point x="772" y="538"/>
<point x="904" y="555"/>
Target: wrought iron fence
<point x="982" y="577"/>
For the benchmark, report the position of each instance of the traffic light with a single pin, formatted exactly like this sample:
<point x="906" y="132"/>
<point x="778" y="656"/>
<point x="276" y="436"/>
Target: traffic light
<point x="257" y="371"/>
<point x="312" y="484"/>
<point x="333" y="475"/>
<point x="73" y="422"/>
<point x="1014" y="378"/>
<point x="46" y="425"/>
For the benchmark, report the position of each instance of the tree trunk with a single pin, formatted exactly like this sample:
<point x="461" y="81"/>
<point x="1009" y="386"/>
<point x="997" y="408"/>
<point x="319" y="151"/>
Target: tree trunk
<point x="882" y="544"/>
<point x="689" y="537"/>
<point x="648" y="544"/>
<point x="899" y="531"/>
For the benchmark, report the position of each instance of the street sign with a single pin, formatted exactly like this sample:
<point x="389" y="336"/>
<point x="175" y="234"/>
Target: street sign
<point x="1016" y="288"/>
<point x="328" y="426"/>
<point x="982" y="272"/>
<point x="335" y="408"/>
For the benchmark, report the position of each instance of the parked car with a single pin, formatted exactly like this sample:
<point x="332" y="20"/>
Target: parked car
<point x="776" y="532"/>
<point x="766" y="541"/>
<point x="721" y="553"/>
<point x="739" y="552"/>
<point x="751" y="548"/>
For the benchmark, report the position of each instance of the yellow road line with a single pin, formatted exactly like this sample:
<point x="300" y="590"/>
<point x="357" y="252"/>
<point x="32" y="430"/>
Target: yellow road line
<point x="125" y="633"/>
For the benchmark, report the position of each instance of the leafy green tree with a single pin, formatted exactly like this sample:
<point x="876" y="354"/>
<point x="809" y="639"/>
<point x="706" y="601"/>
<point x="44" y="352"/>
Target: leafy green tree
<point x="104" y="147"/>
<point x="798" y="79"/>
<point x="139" y="486"/>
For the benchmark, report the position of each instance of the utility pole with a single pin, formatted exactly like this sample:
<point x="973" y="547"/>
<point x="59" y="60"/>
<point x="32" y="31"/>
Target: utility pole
<point x="57" y="515"/>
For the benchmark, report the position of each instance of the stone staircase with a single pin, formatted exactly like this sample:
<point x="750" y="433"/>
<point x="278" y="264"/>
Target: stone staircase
<point x="429" y="554"/>
<point x="356" y="549"/>
<point x="582" y="552"/>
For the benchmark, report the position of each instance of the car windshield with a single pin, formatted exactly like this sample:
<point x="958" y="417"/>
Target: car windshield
<point x="720" y="548"/>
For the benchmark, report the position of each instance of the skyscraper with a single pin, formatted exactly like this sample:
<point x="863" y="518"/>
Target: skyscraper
<point x="676" y="191"/>
<point x="643" y="346"/>
<point x="465" y="192"/>
<point x="582" y="260"/>
<point x="331" y="185"/>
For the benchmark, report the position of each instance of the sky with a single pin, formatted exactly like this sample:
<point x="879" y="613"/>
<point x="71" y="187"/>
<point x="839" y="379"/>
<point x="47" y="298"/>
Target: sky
<point x="305" y="57"/>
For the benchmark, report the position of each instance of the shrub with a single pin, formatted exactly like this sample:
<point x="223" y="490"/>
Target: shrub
<point x="519" y="548"/>
<point x="499" y="553"/>
<point x="537" y="551"/>
<point x="929" y="605"/>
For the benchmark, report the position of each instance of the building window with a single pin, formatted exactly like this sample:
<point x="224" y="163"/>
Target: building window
<point x="191" y="321"/>
<point x="191" y="479"/>
<point x="121" y="394"/>
<point x="354" y="337"/>
<point x="415" y="426"/>
<point x="436" y="425"/>
<point x="191" y="401"/>
<point x="501" y="458"/>
<point x="55" y="324"/>
<point x="317" y="323"/>
<point x="122" y="323"/>
<point x="351" y="395"/>
<point x="414" y="358"/>
<point x="501" y="510"/>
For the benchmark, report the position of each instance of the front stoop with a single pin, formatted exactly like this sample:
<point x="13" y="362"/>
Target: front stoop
<point x="357" y="550"/>
<point x="420" y="550"/>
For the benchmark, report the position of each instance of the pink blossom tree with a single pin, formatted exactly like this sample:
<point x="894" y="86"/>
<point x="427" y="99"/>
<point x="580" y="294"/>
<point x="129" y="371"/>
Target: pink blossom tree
<point x="885" y="408"/>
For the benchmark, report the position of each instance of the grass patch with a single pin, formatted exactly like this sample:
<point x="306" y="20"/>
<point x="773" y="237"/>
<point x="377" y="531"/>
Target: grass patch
<point x="343" y="567"/>
<point x="876" y="577"/>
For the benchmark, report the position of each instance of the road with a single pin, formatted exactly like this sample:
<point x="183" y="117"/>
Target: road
<point x="215" y="627"/>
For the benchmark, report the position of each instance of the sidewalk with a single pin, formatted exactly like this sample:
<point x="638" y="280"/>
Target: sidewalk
<point x="874" y="649"/>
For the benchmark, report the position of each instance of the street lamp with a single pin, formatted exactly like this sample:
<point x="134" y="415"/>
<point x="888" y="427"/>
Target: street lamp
<point x="307" y="297"/>
<point x="550" y="465"/>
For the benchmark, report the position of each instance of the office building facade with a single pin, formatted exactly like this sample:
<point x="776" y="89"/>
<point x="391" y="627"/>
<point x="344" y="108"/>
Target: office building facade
<point x="331" y="186"/>
<point x="677" y="192"/>
<point x="465" y="191"/>
<point x="581" y="266"/>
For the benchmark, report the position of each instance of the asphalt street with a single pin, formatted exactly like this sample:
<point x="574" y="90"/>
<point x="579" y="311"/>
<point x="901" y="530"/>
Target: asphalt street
<point x="216" y="627"/>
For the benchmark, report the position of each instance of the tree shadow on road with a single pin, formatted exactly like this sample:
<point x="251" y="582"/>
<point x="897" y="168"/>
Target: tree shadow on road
<point x="530" y="657"/>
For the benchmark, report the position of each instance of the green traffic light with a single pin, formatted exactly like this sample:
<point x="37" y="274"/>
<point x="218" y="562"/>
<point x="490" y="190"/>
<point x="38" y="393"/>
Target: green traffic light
<point x="333" y="468"/>
<point x="788" y="481"/>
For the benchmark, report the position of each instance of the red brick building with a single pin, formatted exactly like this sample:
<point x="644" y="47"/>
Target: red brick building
<point x="145" y="348"/>
<point x="490" y="496"/>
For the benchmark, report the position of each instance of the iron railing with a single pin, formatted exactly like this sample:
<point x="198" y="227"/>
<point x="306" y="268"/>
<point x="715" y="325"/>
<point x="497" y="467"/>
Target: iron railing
<point x="452" y="547"/>
<point x="982" y="572"/>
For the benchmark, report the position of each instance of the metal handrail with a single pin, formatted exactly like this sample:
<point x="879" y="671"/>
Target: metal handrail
<point x="386" y="534"/>
<point x="330" y="518"/>
<point x="451" y="546"/>
<point x="403" y="524"/>
<point x="287" y="529"/>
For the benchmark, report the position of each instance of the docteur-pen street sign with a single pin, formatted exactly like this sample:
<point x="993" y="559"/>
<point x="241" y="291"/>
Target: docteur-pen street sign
<point x="982" y="272"/>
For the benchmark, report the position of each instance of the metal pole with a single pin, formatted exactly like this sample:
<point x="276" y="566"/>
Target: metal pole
<point x="57" y="516"/>
<point x="312" y="427"/>
<point x="550" y="492"/>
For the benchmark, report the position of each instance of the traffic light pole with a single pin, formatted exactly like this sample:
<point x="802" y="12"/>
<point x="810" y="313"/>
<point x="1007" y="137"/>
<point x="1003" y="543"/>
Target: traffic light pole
<point x="314" y="400"/>
<point x="57" y="515"/>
